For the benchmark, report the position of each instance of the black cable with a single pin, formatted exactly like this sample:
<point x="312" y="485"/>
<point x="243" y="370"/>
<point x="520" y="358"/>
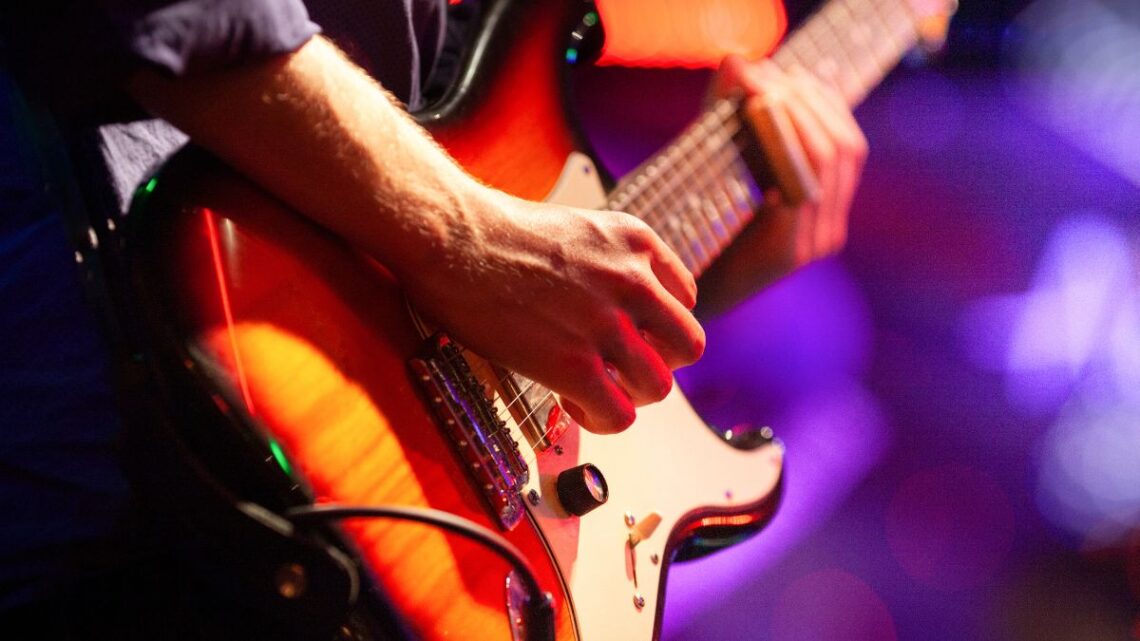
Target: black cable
<point x="540" y="619"/>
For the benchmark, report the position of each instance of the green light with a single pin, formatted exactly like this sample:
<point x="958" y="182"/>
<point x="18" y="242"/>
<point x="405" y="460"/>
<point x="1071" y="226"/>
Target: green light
<point x="150" y="185"/>
<point x="279" y="456"/>
<point x="591" y="19"/>
<point x="571" y="55"/>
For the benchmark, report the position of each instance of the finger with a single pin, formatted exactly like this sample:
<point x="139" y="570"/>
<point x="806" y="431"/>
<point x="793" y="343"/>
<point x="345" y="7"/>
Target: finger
<point x="858" y="147"/>
<point x="822" y="154"/>
<point x="641" y="240"/>
<point x="670" y="329"/>
<point x="851" y="150"/>
<point x="637" y="367"/>
<point x="730" y="77"/>
<point x="752" y="78"/>
<point x="763" y="78"/>
<point x="596" y="401"/>
<point x="670" y="271"/>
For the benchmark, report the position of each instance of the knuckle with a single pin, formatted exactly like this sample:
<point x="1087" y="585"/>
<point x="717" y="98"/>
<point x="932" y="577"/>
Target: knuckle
<point x="828" y="152"/>
<point x="638" y="285"/>
<point x="638" y="235"/>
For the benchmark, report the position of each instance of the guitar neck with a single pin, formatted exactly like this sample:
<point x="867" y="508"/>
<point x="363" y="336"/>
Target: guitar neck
<point x="699" y="192"/>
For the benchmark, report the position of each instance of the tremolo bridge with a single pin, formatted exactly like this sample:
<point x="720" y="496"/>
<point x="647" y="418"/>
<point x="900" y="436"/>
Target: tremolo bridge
<point x="467" y="415"/>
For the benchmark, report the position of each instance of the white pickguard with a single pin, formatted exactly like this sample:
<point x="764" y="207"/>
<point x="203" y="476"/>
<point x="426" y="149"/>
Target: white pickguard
<point x="668" y="462"/>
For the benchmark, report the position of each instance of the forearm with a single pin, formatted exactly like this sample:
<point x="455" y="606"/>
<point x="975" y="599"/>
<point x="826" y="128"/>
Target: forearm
<point x="591" y="304"/>
<point x="321" y="135"/>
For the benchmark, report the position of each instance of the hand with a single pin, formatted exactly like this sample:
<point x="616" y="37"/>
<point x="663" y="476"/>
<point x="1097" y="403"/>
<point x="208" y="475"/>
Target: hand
<point x="590" y="303"/>
<point x="784" y="237"/>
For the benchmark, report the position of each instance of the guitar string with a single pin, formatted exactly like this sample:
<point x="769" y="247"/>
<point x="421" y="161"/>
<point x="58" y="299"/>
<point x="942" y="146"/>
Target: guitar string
<point x="664" y="177"/>
<point x="721" y="113"/>
<point x="630" y="191"/>
<point x="501" y="381"/>
<point x="642" y="180"/>
<point x="708" y="178"/>
<point x="704" y="176"/>
<point x="672" y="180"/>
<point x="705" y="182"/>
<point x="659" y="174"/>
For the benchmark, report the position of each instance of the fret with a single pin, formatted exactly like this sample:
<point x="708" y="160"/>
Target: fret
<point x="694" y="212"/>
<point x="676" y="239"/>
<point x="682" y="193"/>
<point x="710" y="217"/>
<point x="691" y="201"/>
<point x="716" y="138"/>
<point x="869" y="69"/>
<point x="897" y="22"/>
<point x="826" y="67"/>
<point x="727" y="218"/>
<point x="713" y="209"/>
<point x="903" y="22"/>
<point x="707" y="204"/>
<point x="679" y="236"/>
<point x="709" y="244"/>
<point x="886" y="44"/>
<point x="792" y="54"/>
<point x="839" y="19"/>
<point x="715" y="196"/>
<point x="698" y="214"/>
<point x="698" y="193"/>
<point x="729" y="208"/>
<point x="637" y="182"/>
<point x="690" y="242"/>
<point x="744" y="203"/>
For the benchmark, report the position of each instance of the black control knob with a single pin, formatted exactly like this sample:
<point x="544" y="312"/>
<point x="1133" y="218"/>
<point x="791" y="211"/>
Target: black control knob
<point x="582" y="489"/>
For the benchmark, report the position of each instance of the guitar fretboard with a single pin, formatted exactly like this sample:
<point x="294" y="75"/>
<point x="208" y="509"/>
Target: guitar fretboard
<point x="698" y="192"/>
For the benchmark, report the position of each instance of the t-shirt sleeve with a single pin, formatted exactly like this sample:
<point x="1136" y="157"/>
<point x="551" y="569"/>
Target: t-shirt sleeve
<point x="192" y="35"/>
<point x="77" y="54"/>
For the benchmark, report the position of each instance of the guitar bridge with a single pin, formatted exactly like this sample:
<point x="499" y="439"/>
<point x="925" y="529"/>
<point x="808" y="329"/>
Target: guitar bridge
<point x="459" y="401"/>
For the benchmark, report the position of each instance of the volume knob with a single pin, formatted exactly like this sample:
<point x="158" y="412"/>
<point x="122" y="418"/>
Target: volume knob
<point x="582" y="489"/>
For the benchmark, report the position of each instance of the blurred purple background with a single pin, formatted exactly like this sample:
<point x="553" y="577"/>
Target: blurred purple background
<point x="959" y="391"/>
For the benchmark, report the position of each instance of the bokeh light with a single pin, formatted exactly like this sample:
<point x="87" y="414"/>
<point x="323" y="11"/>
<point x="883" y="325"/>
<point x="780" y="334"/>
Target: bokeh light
<point x="682" y="33"/>
<point x="831" y="604"/>
<point x="1079" y="324"/>
<point x="950" y="527"/>
<point x="1077" y="62"/>
<point x="1071" y="346"/>
<point x="1089" y="475"/>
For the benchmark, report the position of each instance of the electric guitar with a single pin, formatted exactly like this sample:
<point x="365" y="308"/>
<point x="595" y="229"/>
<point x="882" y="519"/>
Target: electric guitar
<point x="351" y="399"/>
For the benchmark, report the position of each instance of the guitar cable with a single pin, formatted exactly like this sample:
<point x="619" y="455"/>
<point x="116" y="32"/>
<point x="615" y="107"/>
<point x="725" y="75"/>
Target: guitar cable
<point x="539" y="612"/>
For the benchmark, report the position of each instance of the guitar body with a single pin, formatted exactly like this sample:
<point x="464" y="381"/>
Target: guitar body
<point x="308" y="342"/>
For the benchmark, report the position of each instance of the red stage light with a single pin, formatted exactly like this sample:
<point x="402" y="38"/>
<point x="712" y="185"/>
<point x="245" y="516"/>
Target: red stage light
<point x="683" y="33"/>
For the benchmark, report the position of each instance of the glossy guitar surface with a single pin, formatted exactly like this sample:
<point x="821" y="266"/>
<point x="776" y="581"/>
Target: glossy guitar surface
<point x="314" y="346"/>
